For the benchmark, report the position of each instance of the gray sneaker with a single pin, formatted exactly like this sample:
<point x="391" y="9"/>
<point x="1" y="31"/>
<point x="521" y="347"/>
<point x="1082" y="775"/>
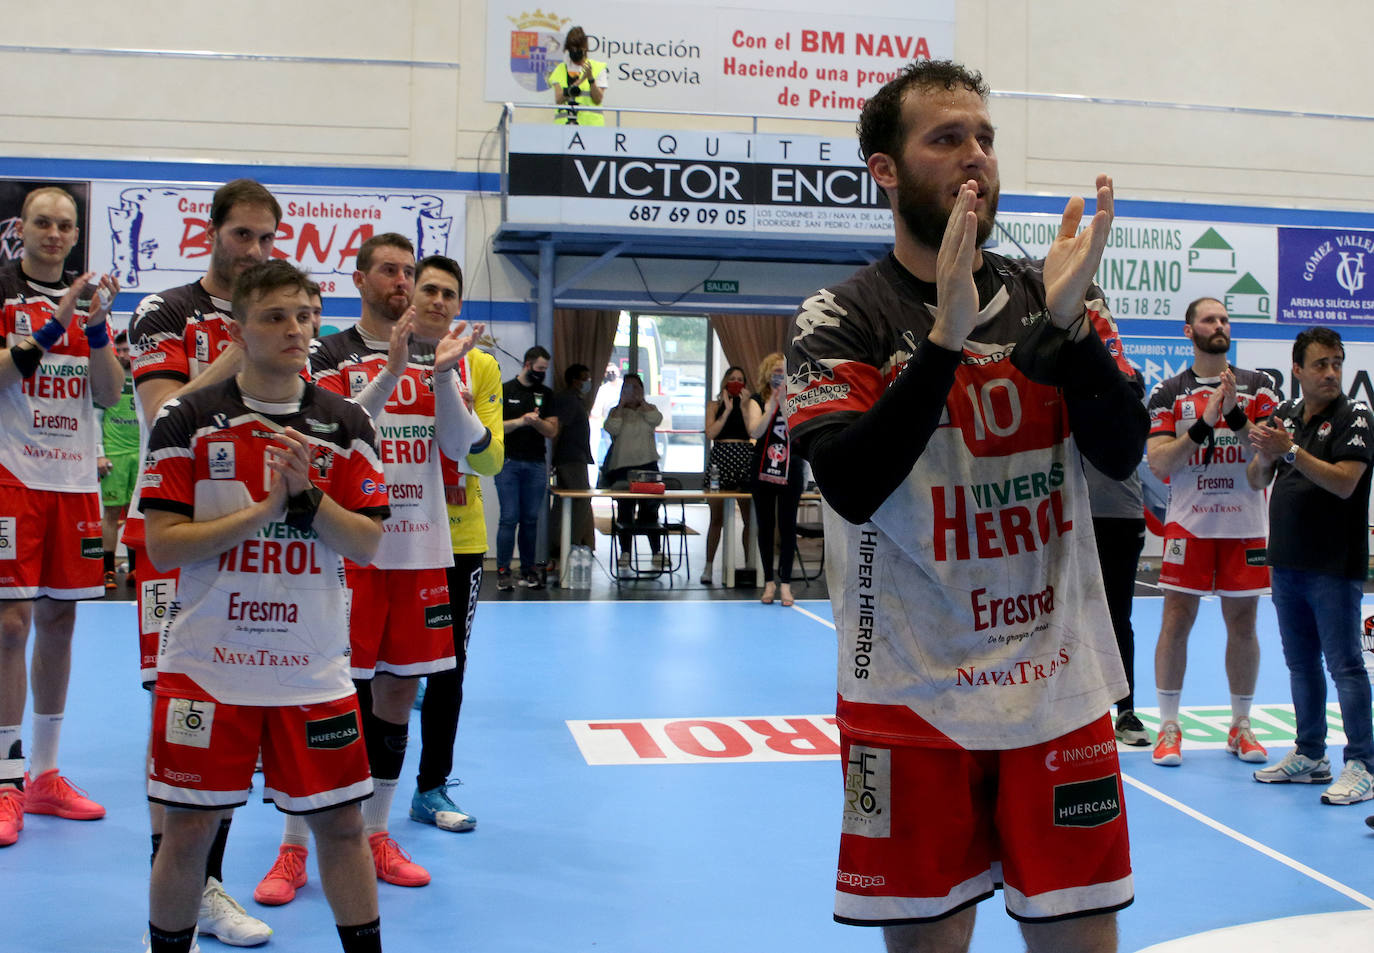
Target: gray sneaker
<point x="1296" y="768"/>
<point x="1129" y="730"/>
<point x="1354" y="785"/>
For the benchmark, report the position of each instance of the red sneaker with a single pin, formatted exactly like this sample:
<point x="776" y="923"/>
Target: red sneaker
<point x="393" y="864"/>
<point x="1169" y="746"/>
<point x="285" y="878"/>
<point x="11" y="815"/>
<point x="50" y="793"/>
<point x="1241" y="742"/>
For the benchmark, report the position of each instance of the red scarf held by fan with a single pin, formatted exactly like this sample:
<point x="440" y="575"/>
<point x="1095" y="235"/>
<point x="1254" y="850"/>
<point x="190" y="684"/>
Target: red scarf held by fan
<point x="776" y="454"/>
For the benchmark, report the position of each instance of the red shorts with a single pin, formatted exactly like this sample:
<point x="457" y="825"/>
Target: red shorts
<point x="1228" y="567"/>
<point x="928" y="831"/>
<point x="204" y="752"/>
<point x="399" y="621"/>
<point x="156" y="591"/>
<point x="50" y="545"/>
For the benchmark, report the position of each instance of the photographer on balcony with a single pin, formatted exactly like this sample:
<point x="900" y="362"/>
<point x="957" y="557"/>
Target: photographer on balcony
<point x="579" y="82"/>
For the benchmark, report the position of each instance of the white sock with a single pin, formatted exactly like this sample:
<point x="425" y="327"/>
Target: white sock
<point x="296" y="831"/>
<point x="1240" y="707"/>
<point x="47" y="729"/>
<point x="1168" y="705"/>
<point x="11" y="756"/>
<point x="377" y="808"/>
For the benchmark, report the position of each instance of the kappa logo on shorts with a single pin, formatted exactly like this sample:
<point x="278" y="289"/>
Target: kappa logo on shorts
<point x="868" y="792"/>
<point x="189" y="721"/>
<point x="221" y="460"/>
<point x="339" y="731"/>
<point x="1257" y="557"/>
<point x="9" y="531"/>
<point x="92" y="547"/>
<point x="158" y="596"/>
<point x="438" y="617"/>
<point x="1087" y="803"/>
<point x="1175" y="550"/>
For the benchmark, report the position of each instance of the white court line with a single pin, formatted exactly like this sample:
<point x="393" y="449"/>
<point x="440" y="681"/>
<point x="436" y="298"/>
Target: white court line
<point x="1250" y="842"/>
<point x="811" y="615"/>
<point x="1196" y="815"/>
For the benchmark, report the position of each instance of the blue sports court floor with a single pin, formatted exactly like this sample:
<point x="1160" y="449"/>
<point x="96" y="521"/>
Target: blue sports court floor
<point x="696" y="833"/>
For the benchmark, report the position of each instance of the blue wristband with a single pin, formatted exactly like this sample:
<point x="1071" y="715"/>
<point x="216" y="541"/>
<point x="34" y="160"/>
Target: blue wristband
<point x="98" y="335"/>
<point x="49" y="334"/>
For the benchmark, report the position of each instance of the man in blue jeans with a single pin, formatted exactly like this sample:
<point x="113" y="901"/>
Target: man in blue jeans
<point x="1319" y="447"/>
<point x="524" y="480"/>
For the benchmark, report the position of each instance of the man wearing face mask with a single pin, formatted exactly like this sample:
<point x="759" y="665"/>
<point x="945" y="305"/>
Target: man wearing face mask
<point x="572" y="453"/>
<point x="528" y="419"/>
<point x="579" y="82"/>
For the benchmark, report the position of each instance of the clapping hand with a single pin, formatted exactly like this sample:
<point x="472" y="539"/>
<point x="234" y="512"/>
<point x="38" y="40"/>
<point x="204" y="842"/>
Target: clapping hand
<point x="954" y="288"/>
<point x="1074" y="256"/>
<point x="454" y="345"/>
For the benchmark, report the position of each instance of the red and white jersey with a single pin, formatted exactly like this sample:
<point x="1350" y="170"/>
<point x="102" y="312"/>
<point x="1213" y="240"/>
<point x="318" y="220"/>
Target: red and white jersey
<point x="178" y="333"/>
<point x="50" y="431"/>
<point x="265" y="623"/>
<point x="416" y="536"/>
<point x="1210" y="497"/>
<point x="969" y="610"/>
<point x="174" y="335"/>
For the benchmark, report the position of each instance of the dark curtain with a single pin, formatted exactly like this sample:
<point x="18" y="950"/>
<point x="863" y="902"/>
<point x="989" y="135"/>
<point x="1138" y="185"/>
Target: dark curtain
<point x="583" y="336"/>
<point x="747" y="339"/>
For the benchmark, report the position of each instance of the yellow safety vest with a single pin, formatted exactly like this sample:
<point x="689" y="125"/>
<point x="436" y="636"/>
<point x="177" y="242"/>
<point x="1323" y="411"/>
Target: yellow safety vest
<point x="584" y="116"/>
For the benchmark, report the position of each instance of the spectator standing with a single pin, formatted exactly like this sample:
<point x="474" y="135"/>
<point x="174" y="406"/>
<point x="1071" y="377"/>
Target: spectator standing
<point x="777" y="477"/>
<point x="579" y="83"/>
<point x="631" y="424"/>
<point x="572" y="454"/>
<point x="1317" y="449"/>
<point x="729" y="460"/>
<point x="523" y="482"/>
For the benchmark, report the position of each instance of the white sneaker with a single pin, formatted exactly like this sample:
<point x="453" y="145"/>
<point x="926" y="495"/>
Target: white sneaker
<point x="1354" y="785"/>
<point x="1296" y="768"/>
<point x="623" y="560"/>
<point x="222" y="917"/>
<point x="662" y="561"/>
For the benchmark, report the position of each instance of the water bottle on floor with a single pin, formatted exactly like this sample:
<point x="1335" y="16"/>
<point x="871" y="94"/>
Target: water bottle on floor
<point x="581" y="577"/>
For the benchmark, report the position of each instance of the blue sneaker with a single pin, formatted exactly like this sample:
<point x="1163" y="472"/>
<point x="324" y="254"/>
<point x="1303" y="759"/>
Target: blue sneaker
<point x="435" y="807"/>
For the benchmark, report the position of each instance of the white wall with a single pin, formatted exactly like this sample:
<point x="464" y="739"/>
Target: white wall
<point x="340" y="106"/>
<point x="1269" y="54"/>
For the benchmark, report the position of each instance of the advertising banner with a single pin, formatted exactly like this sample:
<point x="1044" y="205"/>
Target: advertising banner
<point x="1153" y="268"/>
<point x="806" y="187"/>
<point x="1324" y="276"/>
<point x="797" y="59"/>
<point x="12" y="193"/>
<point x="154" y="235"/>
